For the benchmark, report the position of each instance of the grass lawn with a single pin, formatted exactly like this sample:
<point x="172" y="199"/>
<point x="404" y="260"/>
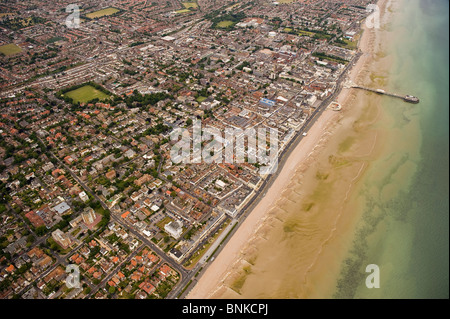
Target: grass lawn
<point x="54" y="39"/>
<point x="351" y="45"/>
<point x="183" y="11"/>
<point x="57" y="247"/>
<point x="188" y="5"/>
<point x="10" y="49"/>
<point x="85" y="94"/>
<point x="306" y="33"/>
<point x="225" y="24"/>
<point x="163" y="222"/>
<point x="200" y="99"/>
<point x="102" y="13"/>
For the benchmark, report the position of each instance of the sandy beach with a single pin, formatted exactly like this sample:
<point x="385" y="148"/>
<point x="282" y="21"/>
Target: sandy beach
<point x="226" y="268"/>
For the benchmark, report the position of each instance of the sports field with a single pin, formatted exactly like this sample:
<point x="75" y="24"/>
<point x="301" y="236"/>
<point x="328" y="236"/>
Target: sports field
<point x="10" y="49"/>
<point x="225" y="24"/>
<point x="85" y="94"/>
<point x="188" y="5"/>
<point x="102" y="13"/>
<point x="183" y="11"/>
<point x="200" y="99"/>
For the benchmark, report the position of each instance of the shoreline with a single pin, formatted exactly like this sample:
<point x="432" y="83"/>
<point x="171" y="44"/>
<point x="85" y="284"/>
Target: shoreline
<point x="214" y="277"/>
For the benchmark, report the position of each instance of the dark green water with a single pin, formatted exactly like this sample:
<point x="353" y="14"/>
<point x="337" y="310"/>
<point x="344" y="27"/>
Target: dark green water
<point x="405" y="224"/>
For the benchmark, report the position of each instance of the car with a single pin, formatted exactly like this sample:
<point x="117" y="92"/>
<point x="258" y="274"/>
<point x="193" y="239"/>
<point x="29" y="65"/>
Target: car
<point x="304" y="134"/>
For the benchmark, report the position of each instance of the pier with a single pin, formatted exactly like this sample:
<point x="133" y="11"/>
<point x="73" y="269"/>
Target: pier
<point x="406" y="98"/>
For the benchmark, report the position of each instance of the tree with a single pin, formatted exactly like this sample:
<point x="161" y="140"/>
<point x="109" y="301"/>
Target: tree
<point x="41" y="230"/>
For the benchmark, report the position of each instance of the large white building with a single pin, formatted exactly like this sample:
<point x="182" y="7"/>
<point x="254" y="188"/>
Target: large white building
<point x="83" y="196"/>
<point x="61" y="208"/>
<point x="61" y="238"/>
<point x="174" y="229"/>
<point x="89" y="216"/>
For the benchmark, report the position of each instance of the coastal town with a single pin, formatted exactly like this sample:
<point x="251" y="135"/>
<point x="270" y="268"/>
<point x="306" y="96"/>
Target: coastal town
<point x="86" y="174"/>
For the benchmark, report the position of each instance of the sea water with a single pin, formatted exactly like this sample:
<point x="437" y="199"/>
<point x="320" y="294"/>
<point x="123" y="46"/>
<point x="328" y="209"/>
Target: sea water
<point x="405" y="224"/>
